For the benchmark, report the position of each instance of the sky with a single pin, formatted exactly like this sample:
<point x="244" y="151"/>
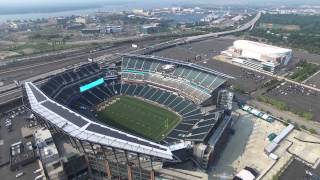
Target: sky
<point x="42" y="2"/>
<point x="36" y="3"/>
<point x="31" y="9"/>
<point x="20" y="2"/>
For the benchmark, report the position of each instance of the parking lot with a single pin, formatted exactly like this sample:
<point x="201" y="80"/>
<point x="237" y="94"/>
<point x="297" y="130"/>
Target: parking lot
<point x="297" y="170"/>
<point x="314" y="81"/>
<point x="206" y="49"/>
<point x="12" y="135"/>
<point x="297" y="98"/>
<point x="7" y="174"/>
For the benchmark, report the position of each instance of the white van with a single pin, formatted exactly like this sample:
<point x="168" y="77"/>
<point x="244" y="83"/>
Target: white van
<point x="19" y="174"/>
<point x="39" y="177"/>
<point x="37" y="171"/>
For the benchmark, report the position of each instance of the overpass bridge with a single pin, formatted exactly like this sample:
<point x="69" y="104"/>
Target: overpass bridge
<point x="248" y="25"/>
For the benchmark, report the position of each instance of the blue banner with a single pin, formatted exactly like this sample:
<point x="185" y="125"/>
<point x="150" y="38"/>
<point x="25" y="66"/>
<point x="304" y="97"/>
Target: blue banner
<point x="91" y="85"/>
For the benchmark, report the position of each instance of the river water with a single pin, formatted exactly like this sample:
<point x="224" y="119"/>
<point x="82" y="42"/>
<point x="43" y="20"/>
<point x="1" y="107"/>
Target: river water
<point x="106" y="8"/>
<point x="114" y="8"/>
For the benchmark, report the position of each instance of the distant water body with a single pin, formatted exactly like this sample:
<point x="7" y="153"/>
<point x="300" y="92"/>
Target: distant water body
<point x="33" y="16"/>
<point x="107" y="8"/>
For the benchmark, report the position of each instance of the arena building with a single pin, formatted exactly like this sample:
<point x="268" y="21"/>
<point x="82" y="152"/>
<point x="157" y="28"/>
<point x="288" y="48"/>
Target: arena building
<point x="258" y="56"/>
<point x="70" y="103"/>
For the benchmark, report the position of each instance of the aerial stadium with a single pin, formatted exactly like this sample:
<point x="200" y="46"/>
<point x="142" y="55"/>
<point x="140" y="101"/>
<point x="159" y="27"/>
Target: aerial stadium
<point x="137" y="116"/>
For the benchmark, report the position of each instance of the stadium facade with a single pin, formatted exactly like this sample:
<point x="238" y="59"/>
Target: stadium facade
<point x="65" y="105"/>
<point x="258" y="55"/>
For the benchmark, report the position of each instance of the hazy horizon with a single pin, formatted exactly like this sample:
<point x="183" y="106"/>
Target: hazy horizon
<point x="77" y="2"/>
<point x="40" y="6"/>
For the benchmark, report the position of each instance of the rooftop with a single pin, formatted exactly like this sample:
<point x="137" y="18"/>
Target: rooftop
<point x="42" y="135"/>
<point x="260" y="47"/>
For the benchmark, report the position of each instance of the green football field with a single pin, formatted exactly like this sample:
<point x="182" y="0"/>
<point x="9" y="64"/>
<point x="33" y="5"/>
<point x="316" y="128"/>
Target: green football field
<point x="139" y="117"/>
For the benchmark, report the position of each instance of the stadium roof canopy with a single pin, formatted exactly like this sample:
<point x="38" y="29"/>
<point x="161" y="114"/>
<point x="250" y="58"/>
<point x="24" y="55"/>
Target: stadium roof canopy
<point x="82" y="128"/>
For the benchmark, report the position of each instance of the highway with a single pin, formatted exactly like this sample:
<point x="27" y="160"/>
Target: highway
<point x="28" y="69"/>
<point x="40" y="65"/>
<point x="23" y="68"/>
<point x="244" y="27"/>
<point x="191" y="39"/>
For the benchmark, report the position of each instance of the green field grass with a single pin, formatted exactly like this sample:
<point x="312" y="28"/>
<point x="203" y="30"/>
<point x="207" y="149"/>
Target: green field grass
<point x="139" y="117"/>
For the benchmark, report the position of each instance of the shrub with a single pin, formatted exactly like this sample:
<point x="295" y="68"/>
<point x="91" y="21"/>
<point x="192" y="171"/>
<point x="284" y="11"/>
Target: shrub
<point x="312" y="131"/>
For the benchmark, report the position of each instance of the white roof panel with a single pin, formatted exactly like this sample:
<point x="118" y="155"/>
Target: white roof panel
<point x="259" y="47"/>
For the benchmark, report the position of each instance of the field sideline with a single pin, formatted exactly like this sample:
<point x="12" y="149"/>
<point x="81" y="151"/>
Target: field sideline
<point x="139" y="117"/>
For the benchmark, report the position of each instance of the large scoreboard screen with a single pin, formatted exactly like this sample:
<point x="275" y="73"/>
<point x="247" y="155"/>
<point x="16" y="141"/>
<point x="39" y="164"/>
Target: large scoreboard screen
<point x="91" y="85"/>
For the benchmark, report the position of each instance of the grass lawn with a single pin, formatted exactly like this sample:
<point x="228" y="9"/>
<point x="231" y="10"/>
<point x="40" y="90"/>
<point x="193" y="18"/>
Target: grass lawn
<point x="139" y="117"/>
